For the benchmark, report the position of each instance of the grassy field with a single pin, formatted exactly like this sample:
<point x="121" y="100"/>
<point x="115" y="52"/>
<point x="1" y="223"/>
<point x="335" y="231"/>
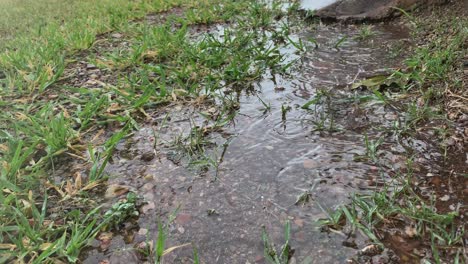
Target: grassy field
<point x="49" y="117"/>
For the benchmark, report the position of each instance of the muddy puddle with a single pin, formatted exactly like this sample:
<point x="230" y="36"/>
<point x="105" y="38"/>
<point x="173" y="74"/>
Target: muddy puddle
<point x="273" y="153"/>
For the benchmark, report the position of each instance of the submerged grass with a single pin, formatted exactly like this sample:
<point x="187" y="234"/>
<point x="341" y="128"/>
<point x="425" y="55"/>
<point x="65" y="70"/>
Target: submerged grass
<point x="431" y="79"/>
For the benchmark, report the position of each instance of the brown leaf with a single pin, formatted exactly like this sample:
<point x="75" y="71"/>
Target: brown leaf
<point x="8" y="246"/>
<point x="57" y="189"/>
<point x="169" y="250"/>
<point x="105" y="239"/>
<point x="114" y="107"/>
<point x="78" y="181"/>
<point x="150" y="55"/>
<point x="98" y="134"/>
<point x="4" y="148"/>
<point x="7" y="191"/>
<point x="410" y="231"/>
<point x="91" y="185"/>
<point x="45" y="246"/>
<point x="64" y="111"/>
<point x="21" y="116"/>
<point x="69" y="188"/>
<point x="115" y="190"/>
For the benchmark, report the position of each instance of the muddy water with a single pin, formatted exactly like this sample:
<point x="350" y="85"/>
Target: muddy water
<point x="270" y="161"/>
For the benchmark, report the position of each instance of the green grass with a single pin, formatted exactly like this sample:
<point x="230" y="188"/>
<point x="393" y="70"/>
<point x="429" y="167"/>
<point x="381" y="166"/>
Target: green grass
<point x="34" y="57"/>
<point x="366" y="32"/>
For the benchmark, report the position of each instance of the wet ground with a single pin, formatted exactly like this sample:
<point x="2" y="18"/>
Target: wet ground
<point x="273" y="153"/>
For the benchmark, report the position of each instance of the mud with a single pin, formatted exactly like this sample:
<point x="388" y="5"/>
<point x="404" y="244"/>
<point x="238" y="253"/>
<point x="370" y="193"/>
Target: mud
<point x="362" y="10"/>
<point x="273" y="157"/>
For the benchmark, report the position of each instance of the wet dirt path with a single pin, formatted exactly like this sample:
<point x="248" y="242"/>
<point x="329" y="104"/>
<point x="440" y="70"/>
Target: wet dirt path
<point x="271" y="159"/>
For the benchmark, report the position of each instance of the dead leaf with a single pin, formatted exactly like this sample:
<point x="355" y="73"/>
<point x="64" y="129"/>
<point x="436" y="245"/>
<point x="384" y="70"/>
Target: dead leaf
<point x="7" y="191"/>
<point x="371" y="250"/>
<point x="169" y="250"/>
<point x="78" y="180"/>
<point x="105" y="238"/>
<point x="115" y="190"/>
<point x="65" y="112"/>
<point x="114" y="107"/>
<point x="6" y="166"/>
<point x="8" y="246"/>
<point x="26" y="204"/>
<point x="91" y="185"/>
<point x="445" y="198"/>
<point x="98" y="134"/>
<point x="69" y="188"/>
<point x="45" y="246"/>
<point x="106" y="63"/>
<point x="4" y="148"/>
<point x="410" y="231"/>
<point x="57" y="189"/>
<point x="21" y="116"/>
<point x="150" y="55"/>
<point x="49" y="70"/>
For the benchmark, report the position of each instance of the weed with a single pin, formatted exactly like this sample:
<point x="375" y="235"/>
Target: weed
<point x="283" y="256"/>
<point x="335" y="219"/>
<point x="340" y="42"/>
<point x="372" y="147"/>
<point x="284" y="111"/>
<point x="122" y="211"/>
<point x="299" y="45"/>
<point x="271" y="254"/>
<point x="159" y="250"/>
<point x="267" y="106"/>
<point x="365" y="32"/>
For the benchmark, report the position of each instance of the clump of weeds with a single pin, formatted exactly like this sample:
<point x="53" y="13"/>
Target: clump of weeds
<point x="365" y="33"/>
<point x="154" y="248"/>
<point x="285" y="252"/>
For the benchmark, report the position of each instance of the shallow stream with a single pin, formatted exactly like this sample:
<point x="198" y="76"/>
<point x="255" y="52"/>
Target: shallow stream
<point x="275" y="152"/>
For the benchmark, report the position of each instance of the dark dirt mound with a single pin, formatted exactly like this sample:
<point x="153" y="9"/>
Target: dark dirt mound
<point x="364" y="10"/>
